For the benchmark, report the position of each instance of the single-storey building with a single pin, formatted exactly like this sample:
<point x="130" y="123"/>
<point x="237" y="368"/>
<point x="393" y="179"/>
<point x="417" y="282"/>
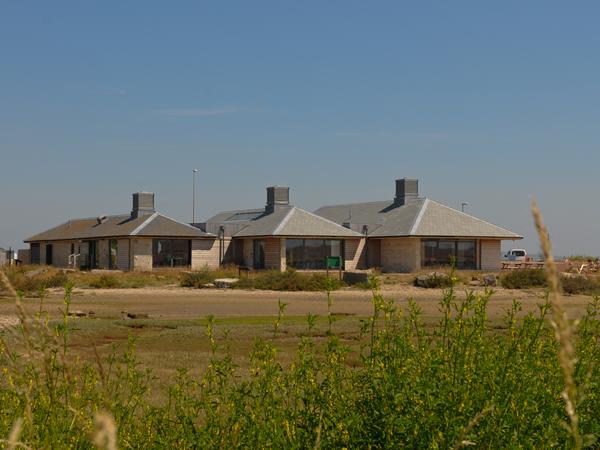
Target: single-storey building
<point x="401" y="235"/>
<point x="281" y="236"/>
<point x="410" y="233"/>
<point x="141" y="240"/>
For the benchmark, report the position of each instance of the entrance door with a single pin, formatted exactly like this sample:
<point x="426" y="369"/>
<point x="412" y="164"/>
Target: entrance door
<point x="259" y="254"/>
<point x="48" y="254"/>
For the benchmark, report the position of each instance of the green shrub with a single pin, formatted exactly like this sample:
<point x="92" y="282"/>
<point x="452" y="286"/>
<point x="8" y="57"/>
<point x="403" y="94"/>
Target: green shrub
<point x="196" y="279"/>
<point x="31" y="279"/>
<point x="580" y="285"/>
<point x="290" y="280"/>
<point x="524" y="279"/>
<point x="105" y="282"/>
<point x="433" y="281"/>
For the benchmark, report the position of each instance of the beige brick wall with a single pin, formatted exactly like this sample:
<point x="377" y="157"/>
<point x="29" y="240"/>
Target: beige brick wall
<point x="42" y="253"/>
<point x="205" y="253"/>
<point x="123" y="254"/>
<point x="400" y="254"/>
<point x="354" y="254"/>
<point x="141" y="254"/>
<point x="490" y="255"/>
<point x="248" y="253"/>
<point x="103" y="254"/>
<point x="60" y="254"/>
<point x="282" y="255"/>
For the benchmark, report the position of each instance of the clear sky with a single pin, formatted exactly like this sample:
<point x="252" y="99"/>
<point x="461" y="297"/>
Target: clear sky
<point x="490" y="103"/>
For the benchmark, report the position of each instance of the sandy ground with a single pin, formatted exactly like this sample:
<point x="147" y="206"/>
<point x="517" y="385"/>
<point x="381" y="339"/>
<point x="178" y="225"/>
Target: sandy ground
<point x="183" y="303"/>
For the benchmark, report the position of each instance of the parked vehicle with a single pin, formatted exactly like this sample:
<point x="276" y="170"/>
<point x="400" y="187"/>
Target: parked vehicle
<point x="516" y="254"/>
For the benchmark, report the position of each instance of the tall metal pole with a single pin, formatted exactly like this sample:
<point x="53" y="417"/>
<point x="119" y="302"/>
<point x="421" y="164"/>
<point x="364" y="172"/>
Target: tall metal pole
<point x="194" y="171"/>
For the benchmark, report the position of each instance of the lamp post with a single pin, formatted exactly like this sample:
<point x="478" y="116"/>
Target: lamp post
<point x="194" y="172"/>
<point x="462" y="206"/>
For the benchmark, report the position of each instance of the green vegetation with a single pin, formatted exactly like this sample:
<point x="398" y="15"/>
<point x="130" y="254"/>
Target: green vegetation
<point x="434" y="280"/>
<point x="402" y="385"/>
<point x="580" y="285"/>
<point x="199" y="278"/>
<point x="270" y="280"/>
<point x="290" y="280"/>
<point x="583" y="258"/>
<point x="524" y="279"/>
<point x="30" y="279"/>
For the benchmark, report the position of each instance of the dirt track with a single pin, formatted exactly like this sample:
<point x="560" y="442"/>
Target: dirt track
<point x="192" y="303"/>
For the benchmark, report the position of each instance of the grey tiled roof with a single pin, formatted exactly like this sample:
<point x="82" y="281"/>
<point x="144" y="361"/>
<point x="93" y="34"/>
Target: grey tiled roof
<point x="236" y="215"/>
<point x="292" y="221"/>
<point x="155" y="225"/>
<point x="420" y="217"/>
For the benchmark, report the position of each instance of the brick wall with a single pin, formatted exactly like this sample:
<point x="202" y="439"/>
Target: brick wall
<point x="400" y="254"/>
<point x="490" y="255"/>
<point x="205" y="252"/>
<point x="354" y="254"/>
<point x="141" y="254"/>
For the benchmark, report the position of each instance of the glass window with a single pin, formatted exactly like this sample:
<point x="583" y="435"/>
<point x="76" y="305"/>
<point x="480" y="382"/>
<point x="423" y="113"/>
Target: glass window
<point x="259" y="254"/>
<point x="310" y="254"/>
<point x="171" y="252"/>
<point x="439" y="252"/>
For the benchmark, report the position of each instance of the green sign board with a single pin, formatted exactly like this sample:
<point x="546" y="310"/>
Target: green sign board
<point x="333" y="262"/>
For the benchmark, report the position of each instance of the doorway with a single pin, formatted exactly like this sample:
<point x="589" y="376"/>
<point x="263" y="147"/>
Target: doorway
<point x="48" y="254"/>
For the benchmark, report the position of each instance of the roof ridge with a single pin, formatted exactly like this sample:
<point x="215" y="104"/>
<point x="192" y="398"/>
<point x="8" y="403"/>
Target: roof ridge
<point x="184" y="224"/>
<point x="329" y="221"/>
<point x="284" y="221"/>
<point x="354" y="203"/>
<point x="419" y="217"/>
<point x="476" y="218"/>
<point x="144" y="224"/>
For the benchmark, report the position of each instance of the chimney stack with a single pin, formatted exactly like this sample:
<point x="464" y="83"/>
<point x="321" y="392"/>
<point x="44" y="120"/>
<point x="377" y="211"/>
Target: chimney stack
<point x="407" y="190"/>
<point x="277" y="197"/>
<point x="143" y="204"/>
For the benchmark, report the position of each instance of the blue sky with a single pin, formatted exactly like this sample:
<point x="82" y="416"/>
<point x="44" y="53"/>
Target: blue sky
<point x="490" y="104"/>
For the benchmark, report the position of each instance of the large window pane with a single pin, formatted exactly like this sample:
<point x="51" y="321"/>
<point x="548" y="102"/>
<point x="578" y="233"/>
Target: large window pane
<point x="170" y="252"/>
<point x="438" y="252"/>
<point x="294" y="252"/>
<point x="466" y="256"/>
<point x="311" y="253"/>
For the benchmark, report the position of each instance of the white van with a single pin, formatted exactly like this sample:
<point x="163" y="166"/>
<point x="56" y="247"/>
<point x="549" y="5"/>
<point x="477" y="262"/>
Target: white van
<point x="516" y="254"/>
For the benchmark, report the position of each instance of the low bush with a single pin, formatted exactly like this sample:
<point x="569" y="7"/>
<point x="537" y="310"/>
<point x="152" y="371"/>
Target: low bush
<point x="290" y="280"/>
<point x="199" y="278"/>
<point x="196" y="279"/>
<point x="105" y="282"/>
<point x="433" y="281"/>
<point x="32" y="279"/>
<point x="580" y="285"/>
<point x="524" y="279"/>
